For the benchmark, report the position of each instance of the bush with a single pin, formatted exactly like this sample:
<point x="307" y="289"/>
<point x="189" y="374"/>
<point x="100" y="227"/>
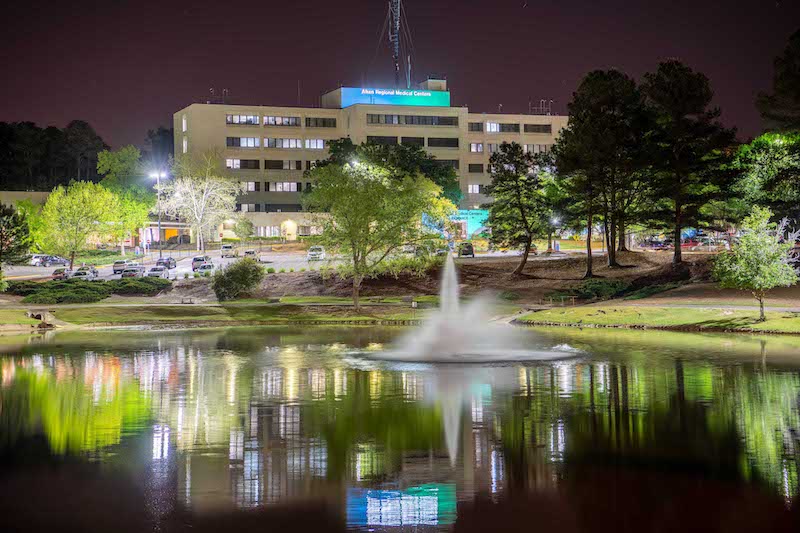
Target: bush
<point x="77" y="291"/>
<point x="650" y="290"/>
<point x="139" y="286"/>
<point x="281" y="271"/>
<point x="291" y="270"/>
<point x="185" y="275"/>
<point x="239" y="278"/>
<point x="270" y="270"/>
<point x="196" y="274"/>
<point x="600" y="289"/>
<point x="509" y="296"/>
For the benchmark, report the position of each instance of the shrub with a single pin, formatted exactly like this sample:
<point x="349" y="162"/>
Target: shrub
<point x="650" y="290"/>
<point x="139" y="286"/>
<point x="281" y="271"/>
<point x="78" y="291"/>
<point x="302" y="270"/>
<point x="196" y="274"/>
<point x="291" y="270"/>
<point x="270" y="270"/>
<point x="239" y="278"/>
<point x="509" y="296"/>
<point x="600" y="289"/>
<point x="206" y="274"/>
<point x="185" y="275"/>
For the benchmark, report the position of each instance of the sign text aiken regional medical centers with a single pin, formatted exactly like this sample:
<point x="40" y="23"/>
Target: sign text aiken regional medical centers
<point x="408" y="97"/>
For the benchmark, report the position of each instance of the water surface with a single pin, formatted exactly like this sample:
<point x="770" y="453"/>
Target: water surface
<point x="304" y="428"/>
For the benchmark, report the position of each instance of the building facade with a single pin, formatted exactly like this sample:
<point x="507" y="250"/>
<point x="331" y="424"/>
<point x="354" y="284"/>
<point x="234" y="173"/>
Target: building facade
<point x="269" y="148"/>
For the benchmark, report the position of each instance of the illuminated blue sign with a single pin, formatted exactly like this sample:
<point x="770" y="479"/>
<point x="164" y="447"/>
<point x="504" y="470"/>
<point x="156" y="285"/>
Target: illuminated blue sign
<point x="410" y="97"/>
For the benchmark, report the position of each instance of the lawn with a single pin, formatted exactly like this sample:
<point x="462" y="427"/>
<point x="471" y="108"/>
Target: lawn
<point x="15" y="316"/>
<point x="666" y="317"/>
<point x="272" y="314"/>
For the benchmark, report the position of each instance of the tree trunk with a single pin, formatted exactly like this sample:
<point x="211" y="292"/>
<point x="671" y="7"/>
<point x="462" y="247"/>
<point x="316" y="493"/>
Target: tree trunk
<point x="550" y="242"/>
<point x="623" y="246"/>
<point x="525" y="252"/>
<point x="356" y="291"/>
<point x="676" y="257"/>
<point x="612" y="247"/>
<point x="588" y="248"/>
<point x="762" y="317"/>
<point x="71" y="259"/>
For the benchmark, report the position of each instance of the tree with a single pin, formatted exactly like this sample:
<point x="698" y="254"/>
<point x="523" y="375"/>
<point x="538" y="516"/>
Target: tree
<point x="400" y="160"/>
<point x="75" y="213"/>
<point x="33" y="218"/>
<point x="83" y="144"/>
<point x="160" y="144"/>
<point x="243" y="228"/>
<point x="599" y="156"/>
<point x="761" y="260"/>
<point x="124" y="176"/>
<point x="770" y="166"/>
<point x="14" y="237"/>
<point x="201" y="193"/>
<point x="241" y="277"/>
<point x="367" y="212"/>
<point x="693" y="152"/>
<point x="515" y="214"/>
<point x="781" y="109"/>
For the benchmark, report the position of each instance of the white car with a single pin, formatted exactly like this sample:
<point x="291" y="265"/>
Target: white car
<point x="206" y="267"/>
<point x="83" y="274"/>
<point x="36" y="259"/>
<point x="227" y="250"/>
<point x="158" y="272"/>
<point x="316" y="253"/>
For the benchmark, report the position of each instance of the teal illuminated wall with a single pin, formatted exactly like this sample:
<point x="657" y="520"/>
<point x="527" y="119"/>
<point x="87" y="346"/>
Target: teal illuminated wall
<point x="415" y="97"/>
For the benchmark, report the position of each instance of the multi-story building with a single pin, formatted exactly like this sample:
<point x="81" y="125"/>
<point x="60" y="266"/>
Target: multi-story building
<point x="271" y="147"/>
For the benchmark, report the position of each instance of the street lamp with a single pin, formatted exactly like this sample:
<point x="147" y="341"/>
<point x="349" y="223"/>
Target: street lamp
<point x="157" y="176"/>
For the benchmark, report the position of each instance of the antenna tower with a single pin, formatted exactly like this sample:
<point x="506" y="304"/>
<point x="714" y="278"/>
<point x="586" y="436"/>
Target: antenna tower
<point x="394" y="37"/>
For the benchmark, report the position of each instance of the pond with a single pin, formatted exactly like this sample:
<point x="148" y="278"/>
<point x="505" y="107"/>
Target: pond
<point x="308" y="429"/>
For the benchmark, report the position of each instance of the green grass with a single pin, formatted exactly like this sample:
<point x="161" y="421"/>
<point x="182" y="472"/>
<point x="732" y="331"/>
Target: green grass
<point x="100" y="257"/>
<point x="15" y="316"/>
<point x="273" y="314"/>
<point x="666" y="317"/>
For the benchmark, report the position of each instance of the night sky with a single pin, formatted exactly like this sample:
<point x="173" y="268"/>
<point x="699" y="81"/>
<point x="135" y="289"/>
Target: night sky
<point x="127" y="66"/>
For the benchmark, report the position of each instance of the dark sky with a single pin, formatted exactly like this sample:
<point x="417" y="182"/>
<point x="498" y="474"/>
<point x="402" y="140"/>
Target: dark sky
<point x="126" y="66"/>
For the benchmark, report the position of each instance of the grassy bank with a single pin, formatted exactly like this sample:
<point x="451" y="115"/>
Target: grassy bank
<point x="666" y="318"/>
<point x="15" y="317"/>
<point x="231" y="314"/>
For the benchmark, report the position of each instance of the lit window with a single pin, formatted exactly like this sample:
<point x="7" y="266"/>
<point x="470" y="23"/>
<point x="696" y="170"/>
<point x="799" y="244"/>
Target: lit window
<point x="493" y="147"/>
<point x="474" y="188"/>
<point x="281" y="121"/>
<point x="185" y="145"/>
<point x="286" y="186"/>
<point x="243" y="142"/>
<point x="250" y="186"/>
<point x="233" y="163"/>
<point x="282" y="143"/>
<point x="492" y="127"/>
<point x="292" y="165"/>
<point x="184" y="124"/>
<point x="476" y="147"/>
<point x="315" y="144"/>
<point x="251" y="120"/>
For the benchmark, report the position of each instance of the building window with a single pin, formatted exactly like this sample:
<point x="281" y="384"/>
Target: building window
<point x="184" y="124"/>
<point x="509" y="128"/>
<point x="538" y="128"/>
<point x="270" y="142"/>
<point x="412" y="120"/>
<point x="536" y="148"/>
<point x="285" y="186"/>
<point x="252" y="186"/>
<point x="492" y="127"/>
<point x="442" y="142"/>
<point x="249" y="164"/>
<point x="413" y="141"/>
<point x="273" y="164"/>
<point x="251" y="120"/>
<point x="268" y="231"/>
<point x="281" y="121"/>
<point x="452" y="163"/>
<point x="476" y="168"/>
<point x="311" y="165"/>
<point x="317" y="122"/>
<point x="493" y="147"/>
<point x="379" y="139"/>
<point x="315" y="144"/>
<point x="249" y="208"/>
<point x="476" y="147"/>
<point x="292" y="165"/>
<point x="243" y="142"/>
<point x="474" y="188"/>
<point x="185" y="145"/>
<point x="476" y="126"/>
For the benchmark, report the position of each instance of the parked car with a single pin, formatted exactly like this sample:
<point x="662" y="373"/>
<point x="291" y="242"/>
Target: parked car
<point x="465" y="249"/>
<point x="316" y="253"/>
<point x="199" y="260"/>
<point x="89" y="268"/>
<point x="168" y="262"/>
<point x="250" y="253"/>
<point x="134" y="272"/>
<point x="158" y="272"/>
<point x="121" y="265"/>
<point x="263" y="258"/>
<point x="36" y="259"/>
<point x="227" y="250"/>
<point x="179" y="239"/>
<point x="205" y="267"/>
<point x="51" y="260"/>
<point x="85" y="275"/>
<point x="61" y="273"/>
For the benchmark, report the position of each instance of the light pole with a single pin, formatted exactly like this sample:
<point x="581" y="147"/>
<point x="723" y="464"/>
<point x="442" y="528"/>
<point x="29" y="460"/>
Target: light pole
<point x="158" y="175"/>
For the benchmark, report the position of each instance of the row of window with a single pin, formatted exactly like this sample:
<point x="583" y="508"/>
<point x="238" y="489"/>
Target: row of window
<point x="474" y="188"/>
<point x="276" y="186"/>
<point x="275" y="231"/>
<point x="253" y="120"/>
<point x="433" y="142"/>
<point x="496" y="127"/>
<point x="477" y="148"/>
<point x="269" y="208"/>
<point x="412" y="120"/>
<point x="272" y="142"/>
<point x="269" y="164"/>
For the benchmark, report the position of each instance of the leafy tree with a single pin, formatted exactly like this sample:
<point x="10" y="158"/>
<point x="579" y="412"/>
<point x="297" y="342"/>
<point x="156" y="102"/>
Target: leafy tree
<point x="243" y="228"/>
<point x="33" y="218"/>
<point x="782" y="108"/>
<point x="692" y="149"/>
<point x="600" y="156"/>
<point x="242" y="277"/>
<point x="761" y="260"/>
<point x="201" y="193"/>
<point x="14" y="236"/>
<point x="160" y="144"/>
<point x="770" y="166"/>
<point x="75" y="213"/>
<point x="367" y="212"/>
<point x="400" y="160"/>
<point x="121" y="168"/>
<point x="515" y="214"/>
<point x="83" y="144"/>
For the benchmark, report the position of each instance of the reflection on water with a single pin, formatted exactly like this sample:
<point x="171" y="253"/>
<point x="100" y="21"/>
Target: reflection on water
<point x="240" y="419"/>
